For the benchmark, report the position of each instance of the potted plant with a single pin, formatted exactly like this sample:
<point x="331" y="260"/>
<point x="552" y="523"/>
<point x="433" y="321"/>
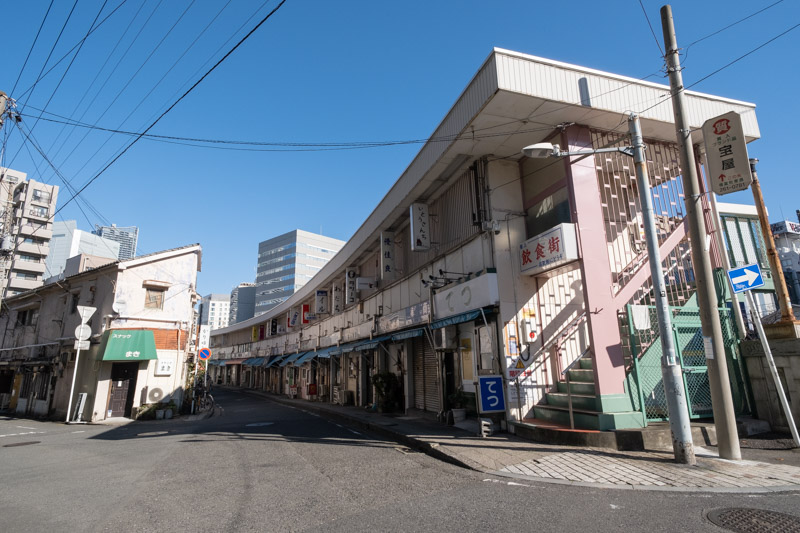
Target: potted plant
<point x="458" y="404"/>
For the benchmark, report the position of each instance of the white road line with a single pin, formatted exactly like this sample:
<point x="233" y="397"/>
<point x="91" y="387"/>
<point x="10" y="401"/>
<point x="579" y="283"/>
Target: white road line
<point x="81" y="431"/>
<point x="356" y="432"/>
<point x="23" y="433"/>
<point x="25" y="427"/>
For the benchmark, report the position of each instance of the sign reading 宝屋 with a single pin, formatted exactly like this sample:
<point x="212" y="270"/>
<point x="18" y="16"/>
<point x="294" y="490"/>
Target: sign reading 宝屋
<point x="491" y="397"/>
<point x="548" y="250"/>
<point x="726" y="154"/>
<point x="420" y="227"/>
<point x="745" y="278"/>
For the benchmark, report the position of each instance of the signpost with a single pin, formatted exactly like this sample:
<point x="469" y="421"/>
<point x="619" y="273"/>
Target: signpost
<point x="726" y="152"/>
<point x="743" y="279"/>
<point x="82" y="334"/>
<point x="204" y="354"/>
<point x="491" y="398"/>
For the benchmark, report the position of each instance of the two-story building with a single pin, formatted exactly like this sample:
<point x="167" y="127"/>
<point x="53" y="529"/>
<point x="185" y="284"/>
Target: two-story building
<point x="136" y="348"/>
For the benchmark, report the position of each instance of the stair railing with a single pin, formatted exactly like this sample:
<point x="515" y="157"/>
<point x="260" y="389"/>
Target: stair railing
<point x="565" y="373"/>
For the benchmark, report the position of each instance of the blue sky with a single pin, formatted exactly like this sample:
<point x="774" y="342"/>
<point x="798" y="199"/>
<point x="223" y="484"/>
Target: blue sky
<point x="329" y="72"/>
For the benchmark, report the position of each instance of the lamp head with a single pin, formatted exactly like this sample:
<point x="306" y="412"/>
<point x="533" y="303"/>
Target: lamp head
<point x="541" y="150"/>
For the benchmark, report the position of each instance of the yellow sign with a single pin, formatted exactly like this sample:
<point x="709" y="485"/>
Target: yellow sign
<point x="519" y="364"/>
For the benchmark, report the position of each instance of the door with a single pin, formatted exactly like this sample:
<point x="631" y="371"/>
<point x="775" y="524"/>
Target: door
<point x="15" y="392"/>
<point x="449" y="376"/>
<point x="123" y="386"/>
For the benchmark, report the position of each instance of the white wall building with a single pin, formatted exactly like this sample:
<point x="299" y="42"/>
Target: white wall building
<point x="68" y="241"/>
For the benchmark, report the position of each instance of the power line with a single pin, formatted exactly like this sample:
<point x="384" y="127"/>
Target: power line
<point x="33" y="45"/>
<point x="170" y="108"/>
<point x="658" y="44"/>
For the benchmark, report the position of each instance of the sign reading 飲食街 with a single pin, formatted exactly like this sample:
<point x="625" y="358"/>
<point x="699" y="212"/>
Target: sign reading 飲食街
<point x="745" y="278"/>
<point x="551" y="249"/>
<point x="728" y="167"/>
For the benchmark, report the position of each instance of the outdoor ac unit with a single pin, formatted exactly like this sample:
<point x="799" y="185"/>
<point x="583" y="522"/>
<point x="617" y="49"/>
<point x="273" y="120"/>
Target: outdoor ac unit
<point x="155" y="395"/>
<point x="445" y="338"/>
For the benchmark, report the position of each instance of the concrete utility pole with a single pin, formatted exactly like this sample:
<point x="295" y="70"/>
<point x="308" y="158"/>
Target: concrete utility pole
<point x="671" y="371"/>
<point x="787" y="314"/>
<point x="722" y="402"/>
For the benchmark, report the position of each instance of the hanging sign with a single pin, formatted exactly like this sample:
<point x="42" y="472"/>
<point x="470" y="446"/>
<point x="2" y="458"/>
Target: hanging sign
<point x="350" y="289"/>
<point x="420" y="228"/>
<point x="551" y="249"/>
<point x="321" y="302"/>
<point x="306" y="313"/>
<point x="387" y="256"/>
<point x="336" y="291"/>
<point x="726" y="154"/>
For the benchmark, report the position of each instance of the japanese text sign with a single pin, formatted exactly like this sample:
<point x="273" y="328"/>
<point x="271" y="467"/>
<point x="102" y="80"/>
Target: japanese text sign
<point x="548" y="250"/>
<point x="726" y="154"/>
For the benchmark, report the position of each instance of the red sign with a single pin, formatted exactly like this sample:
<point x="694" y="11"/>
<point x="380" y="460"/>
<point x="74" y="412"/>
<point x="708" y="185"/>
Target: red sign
<point x="722" y="126"/>
<point x="312" y="389"/>
<point x="306" y="309"/>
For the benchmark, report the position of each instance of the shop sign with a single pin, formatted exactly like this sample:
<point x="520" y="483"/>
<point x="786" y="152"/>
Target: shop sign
<point x="409" y="316"/>
<point x="387" y="256"/>
<point x="420" y="227"/>
<point x="321" y="302"/>
<point x="306" y="313"/>
<point x="785" y="226"/>
<point x="350" y="290"/>
<point x="336" y="291"/>
<point x="551" y="249"/>
<point x="728" y="167"/>
<point x="293" y="317"/>
<point x="472" y="294"/>
<point x="164" y="367"/>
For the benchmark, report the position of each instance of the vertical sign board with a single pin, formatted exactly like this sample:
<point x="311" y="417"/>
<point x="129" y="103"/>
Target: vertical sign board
<point x="420" y="228"/>
<point x="726" y="154"/>
<point x="306" y="311"/>
<point x="387" y="256"/>
<point x="273" y="327"/>
<point x="336" y="291"/>
<point x="321" y="302"/>
<point x="491" y="397"/>
<point x="350" y="289"/>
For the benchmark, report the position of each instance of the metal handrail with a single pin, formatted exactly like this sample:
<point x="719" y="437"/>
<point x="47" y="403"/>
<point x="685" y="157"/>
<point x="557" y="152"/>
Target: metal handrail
<point x="566" y="331"/>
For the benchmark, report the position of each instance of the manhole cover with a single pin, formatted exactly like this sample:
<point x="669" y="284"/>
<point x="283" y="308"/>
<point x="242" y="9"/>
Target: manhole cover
<point x="754" y="520"/>
<point x="21" y="444"/>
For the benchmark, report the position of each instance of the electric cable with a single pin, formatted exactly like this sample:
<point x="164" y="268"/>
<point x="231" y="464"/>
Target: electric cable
<point x="33" y="45"/>
<point x="658" y="44"/>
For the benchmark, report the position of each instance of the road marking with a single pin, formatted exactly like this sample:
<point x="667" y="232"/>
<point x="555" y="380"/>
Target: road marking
<point x="81" y="431"/>
<point x="23" y="433"/>
<point x="338" y="426"/>
<point x="258" y="424"/>
<point x="25" y="427"/>
<point x="356" y="432"/>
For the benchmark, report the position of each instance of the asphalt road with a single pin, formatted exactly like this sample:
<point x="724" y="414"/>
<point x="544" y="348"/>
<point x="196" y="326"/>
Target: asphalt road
<point x="261" y="466"/>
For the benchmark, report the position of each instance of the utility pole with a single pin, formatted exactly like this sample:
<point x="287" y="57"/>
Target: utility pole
<point x="671" y="371"/>
<point x="722" y="402"/>
<point x="787" y="314"/>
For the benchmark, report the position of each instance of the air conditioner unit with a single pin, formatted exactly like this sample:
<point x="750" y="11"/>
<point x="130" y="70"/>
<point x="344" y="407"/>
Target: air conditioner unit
<point x="445" y="338"/>
<point x="155" y="395"/>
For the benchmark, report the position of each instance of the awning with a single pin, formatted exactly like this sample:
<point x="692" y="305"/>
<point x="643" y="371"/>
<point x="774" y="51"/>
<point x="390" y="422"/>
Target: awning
<point x="409" y="334"/>
<point x="372" y="343"/>
<point x="458" y="319"/>
<point x="128" y="345"/>
<point x="308" y="356"/>
<point x="292" y="357"/>
<point x="236" y="361"/>
<point x="345" y="348"/>
<point x="325" y="353"/>
<point x="254" y="361"/>
<point x="273" y="360"/>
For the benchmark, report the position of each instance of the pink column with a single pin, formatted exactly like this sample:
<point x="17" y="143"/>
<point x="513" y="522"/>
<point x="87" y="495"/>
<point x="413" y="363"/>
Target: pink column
<point x="587" y="213"/>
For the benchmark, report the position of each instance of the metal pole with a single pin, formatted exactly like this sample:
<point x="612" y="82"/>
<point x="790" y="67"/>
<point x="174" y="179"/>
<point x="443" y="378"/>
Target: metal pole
<point x="722" y="401"/>
<point x="774" y="371"/>
<point x="671" y="371"/>
<point x="787" y="314"/>
<point x="72" y="388"/>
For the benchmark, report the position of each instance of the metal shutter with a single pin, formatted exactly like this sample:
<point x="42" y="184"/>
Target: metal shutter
<point x="419" y="373"/>
<point x="426" y="376"/>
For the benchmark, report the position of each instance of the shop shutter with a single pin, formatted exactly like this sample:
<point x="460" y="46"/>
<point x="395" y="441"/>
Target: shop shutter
<point x="419" y="376"/>
<point x="426" y="377"/>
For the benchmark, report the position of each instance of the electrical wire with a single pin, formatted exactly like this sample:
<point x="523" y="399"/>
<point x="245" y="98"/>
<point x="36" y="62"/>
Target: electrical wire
<point x="658" y="44"/>
<point x="33" y="45"/>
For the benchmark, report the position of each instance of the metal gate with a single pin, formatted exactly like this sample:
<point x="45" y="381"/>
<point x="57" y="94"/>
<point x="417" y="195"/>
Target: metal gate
<point x="647" y="388"/>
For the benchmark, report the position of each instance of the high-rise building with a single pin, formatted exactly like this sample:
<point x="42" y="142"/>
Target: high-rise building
<point x="214" y="310"/>
<point x="127" y="237"/>
<point x="287" y="262"/>
<point x="68" y="241"/>
<point x="26" y="210"/>
<point x="243" y="301"/>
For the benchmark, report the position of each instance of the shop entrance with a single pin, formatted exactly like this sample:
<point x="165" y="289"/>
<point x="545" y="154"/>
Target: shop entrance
<point x="123" y="386"/>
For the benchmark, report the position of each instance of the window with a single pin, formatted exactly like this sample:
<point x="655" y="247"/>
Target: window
<point x="74" y="304"/>
<point x="26" y="275"/>
<point x="38" y="211"/>
<point x="41" y="196"/>
<point x="154" y="298"/>
<point x="29" y="258"/>
<point x="28" y="317"/>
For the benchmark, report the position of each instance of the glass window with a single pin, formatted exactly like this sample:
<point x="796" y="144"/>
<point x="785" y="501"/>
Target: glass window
<point x="154" y="299"/>
<point x="38" y="211"/>
<point x="548" y="213"/>
<point x="485" y="349"/>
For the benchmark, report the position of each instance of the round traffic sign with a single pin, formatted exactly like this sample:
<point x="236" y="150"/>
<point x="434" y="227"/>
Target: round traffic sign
<point x="83" y="332"/>
<point x="204" y="353"/>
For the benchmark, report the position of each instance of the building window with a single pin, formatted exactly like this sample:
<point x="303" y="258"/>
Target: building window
<point x="41" y="196"/>
<point x="28" y="317"/>
<point x="74" y="304"/>
<point x="38" y="211"/>
<point x="154" y="298"/>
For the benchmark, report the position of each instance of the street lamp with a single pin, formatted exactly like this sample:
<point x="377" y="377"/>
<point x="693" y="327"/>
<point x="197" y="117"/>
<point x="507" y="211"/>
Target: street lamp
<point x="671" y="371"/>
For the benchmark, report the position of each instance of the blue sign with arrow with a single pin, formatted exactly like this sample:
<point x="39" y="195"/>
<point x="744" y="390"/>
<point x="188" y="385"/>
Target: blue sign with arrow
<point x="745" y="278"/>
<point x="490" y="394"/>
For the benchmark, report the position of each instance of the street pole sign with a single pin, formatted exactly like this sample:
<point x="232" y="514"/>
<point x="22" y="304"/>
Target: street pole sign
<point x="82" y="334"/>
<point x="204" y="353"/>
<point x="745" y="278"/>
<point x="490" y="394"/>
<point x="726" y="154"/>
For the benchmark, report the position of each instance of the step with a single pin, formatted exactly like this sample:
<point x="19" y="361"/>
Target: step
<point x="587" y="363"/>
<point x="539" y="430"/>
<point x="577" y="387"/>
<point x="587" y="402"/>
<point x="584" y="375"/>
<point x="583" y="419"/>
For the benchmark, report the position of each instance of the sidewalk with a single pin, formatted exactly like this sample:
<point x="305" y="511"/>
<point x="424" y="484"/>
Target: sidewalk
<point x="510" y="456"/>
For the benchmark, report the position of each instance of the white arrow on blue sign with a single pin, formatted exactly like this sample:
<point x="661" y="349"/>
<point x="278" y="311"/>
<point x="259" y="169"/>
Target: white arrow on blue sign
<point x="745" y="278"/>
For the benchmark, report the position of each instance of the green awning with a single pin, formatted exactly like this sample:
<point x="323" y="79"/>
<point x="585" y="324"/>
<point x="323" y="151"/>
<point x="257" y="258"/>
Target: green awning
<point x="128" y="345"/>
